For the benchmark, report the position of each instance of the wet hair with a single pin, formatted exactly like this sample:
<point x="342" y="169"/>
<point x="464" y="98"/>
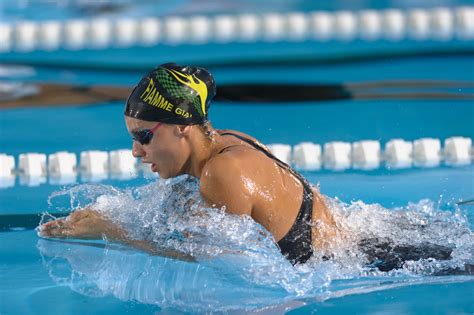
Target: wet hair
<point x="207" y="129"/>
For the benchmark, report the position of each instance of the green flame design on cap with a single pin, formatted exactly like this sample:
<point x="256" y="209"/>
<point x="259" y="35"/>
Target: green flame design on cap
<point x="178" y="90"/>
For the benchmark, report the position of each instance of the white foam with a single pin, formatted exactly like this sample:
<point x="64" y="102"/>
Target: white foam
<point x="241" y="252"/>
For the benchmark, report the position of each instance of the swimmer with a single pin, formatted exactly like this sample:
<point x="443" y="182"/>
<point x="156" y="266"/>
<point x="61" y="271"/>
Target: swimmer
<point x="167" y="118"/>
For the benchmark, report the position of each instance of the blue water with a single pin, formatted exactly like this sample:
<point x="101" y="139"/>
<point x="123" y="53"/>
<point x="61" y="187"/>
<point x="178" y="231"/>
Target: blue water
<point x="12" y="9"/>
<point x="248" y="276"/>
<point x="48" y="277"/>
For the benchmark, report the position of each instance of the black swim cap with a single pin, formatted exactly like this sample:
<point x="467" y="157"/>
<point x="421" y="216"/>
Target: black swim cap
<point x="173" y="94"/>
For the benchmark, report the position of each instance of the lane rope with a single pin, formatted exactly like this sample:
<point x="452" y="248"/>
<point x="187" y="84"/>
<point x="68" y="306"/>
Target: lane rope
<point x="439" y="24"/>
<point x="62" y="167"/>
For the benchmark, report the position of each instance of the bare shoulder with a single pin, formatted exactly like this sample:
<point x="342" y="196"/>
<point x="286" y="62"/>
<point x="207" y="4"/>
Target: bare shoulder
<point x="223" y="182"/>
<point x="224" y="168"/>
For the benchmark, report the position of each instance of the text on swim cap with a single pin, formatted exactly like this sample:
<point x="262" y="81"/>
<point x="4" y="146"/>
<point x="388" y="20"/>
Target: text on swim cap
<point x="153" y="97"/>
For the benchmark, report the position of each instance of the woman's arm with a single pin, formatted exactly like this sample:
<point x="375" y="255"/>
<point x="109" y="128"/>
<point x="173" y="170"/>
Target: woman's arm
<point x="89" y="224"/>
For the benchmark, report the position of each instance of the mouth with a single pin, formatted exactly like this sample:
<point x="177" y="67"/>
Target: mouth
<point x="153" y="166"/>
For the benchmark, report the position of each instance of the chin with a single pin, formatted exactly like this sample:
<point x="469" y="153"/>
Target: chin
<point x="165" y="175"/>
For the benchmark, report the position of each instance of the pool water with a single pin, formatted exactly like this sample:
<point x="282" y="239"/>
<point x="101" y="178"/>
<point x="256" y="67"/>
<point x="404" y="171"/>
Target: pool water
<point x="39" y="276"/>
<point x="97" y="278"/>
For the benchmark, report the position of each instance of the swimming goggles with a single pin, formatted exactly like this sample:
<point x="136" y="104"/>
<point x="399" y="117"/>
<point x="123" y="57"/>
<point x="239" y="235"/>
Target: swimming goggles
<point x="144" y="136"/>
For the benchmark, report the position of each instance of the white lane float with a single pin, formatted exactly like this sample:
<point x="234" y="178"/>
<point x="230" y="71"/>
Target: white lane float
<point x="366" y="154"/>
<point x="394" y="24"/>
<point x="175" y="30"/>
<point x="7" y="165"/>
<point x="126" y="32"/>
<point x="427" y="152"/>
<point x="7" y="168"/>
<point x="150" y="31"/>
<point x="62" y="163"/>
<point x="442" y="24"/>
<point x="26" y="36"/>
<point x="6" y="37"/>
<point x="76" y="34"/>
<point x="274" y="27"/>
<point x="123" y="164"/>
<point x="337" y="155"/>
<point x="32" y="167"/>
<point x="249" y="27"/>
<point x="32" y="164"/>
<point x="297" y="26"/>
<point x="94" y="165"/>
<point x="100" y="33"/>
<point x="457" y="151"/>
<point x="50" y="34"/>
<point x="307" y="156"/>
<point x="345" y="24"/>
<point x="322" y="25"/>
<point x="398" y="154"/>
<point x="370" y="24"/>
<point x="464" y="17"/>
<point x="201" y="30"/>
<point x="62" y="167"/>
<point x="225" y="28"/>
<point x="419" y="26"/>
<point x="281" y="151"/>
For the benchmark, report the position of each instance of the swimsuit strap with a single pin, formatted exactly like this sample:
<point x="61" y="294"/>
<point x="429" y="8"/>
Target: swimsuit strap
<point x="261" y="148"/>
<point x="225" y="148"/>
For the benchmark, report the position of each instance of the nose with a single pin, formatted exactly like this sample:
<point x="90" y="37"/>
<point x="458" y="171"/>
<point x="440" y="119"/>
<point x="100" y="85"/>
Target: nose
<point x="137" y="150"/>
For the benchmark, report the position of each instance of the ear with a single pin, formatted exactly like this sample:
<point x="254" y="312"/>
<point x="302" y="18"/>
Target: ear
<point x="183" y="130"/>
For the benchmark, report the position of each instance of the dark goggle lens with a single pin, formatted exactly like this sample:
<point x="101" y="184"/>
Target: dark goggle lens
<point x="142" y="136"/>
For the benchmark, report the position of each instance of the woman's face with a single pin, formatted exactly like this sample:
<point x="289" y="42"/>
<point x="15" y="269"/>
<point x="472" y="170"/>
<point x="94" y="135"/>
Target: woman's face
<point x="168" y="150"/>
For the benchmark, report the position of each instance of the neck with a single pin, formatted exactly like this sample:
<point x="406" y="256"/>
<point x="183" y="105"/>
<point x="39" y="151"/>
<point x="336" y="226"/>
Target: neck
<point x="202" y="149"/>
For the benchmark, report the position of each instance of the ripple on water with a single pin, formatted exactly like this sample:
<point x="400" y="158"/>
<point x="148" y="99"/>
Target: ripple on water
<point x="235" y="254"/>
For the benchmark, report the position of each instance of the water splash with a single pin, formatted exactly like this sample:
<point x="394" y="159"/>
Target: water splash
<point x="235" y="254"/>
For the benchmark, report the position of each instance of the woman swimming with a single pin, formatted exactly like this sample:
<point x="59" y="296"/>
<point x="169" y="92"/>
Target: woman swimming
<point x="167" y="117"/>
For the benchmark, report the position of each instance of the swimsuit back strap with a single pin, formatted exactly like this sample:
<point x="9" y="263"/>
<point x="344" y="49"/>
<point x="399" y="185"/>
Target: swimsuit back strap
<point x="261" y="148"/>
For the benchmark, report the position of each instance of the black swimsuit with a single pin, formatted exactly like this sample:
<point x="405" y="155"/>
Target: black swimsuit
<point x="296" y="246"/>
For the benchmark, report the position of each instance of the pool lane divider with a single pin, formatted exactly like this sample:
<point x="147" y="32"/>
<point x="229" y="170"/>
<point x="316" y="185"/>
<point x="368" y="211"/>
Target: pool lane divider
<point x="63" y="168"/>
<point x="432" y="24"/>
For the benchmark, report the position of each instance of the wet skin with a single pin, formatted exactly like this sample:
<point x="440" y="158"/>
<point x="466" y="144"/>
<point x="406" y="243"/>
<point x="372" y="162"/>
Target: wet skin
<point x="240" y="178"/>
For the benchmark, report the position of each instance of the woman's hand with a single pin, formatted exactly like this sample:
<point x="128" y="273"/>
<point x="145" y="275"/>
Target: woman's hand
<point x="83" y="224"/>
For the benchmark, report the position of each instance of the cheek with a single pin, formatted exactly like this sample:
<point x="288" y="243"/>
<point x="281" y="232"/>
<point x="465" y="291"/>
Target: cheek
<point x="170" y="157"/>
<point x="163" y="154"/>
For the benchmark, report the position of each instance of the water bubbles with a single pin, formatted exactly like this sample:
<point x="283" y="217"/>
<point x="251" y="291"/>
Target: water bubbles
<point x="235" y="254"/>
